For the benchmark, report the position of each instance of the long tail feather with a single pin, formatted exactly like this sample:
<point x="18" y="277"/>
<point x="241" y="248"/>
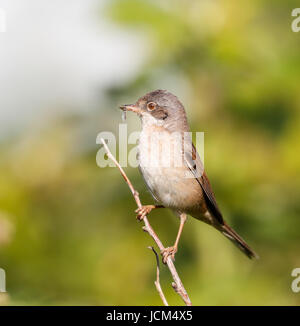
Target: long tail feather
<point x="238" y="241"/>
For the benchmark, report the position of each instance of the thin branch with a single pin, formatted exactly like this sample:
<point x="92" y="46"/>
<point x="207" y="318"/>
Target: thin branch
<point x="177" y="284"/>
<point x="157" y="282"/>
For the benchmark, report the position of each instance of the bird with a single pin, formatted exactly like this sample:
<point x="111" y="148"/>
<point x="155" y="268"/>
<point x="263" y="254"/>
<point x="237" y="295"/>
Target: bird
<point x="172" y="169"/>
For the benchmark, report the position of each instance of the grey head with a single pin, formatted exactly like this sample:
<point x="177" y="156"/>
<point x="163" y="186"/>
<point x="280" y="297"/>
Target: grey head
<point x="160" y="108"/>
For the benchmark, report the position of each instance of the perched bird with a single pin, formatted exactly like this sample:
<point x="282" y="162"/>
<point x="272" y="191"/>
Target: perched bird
<point x="172" y="169"/>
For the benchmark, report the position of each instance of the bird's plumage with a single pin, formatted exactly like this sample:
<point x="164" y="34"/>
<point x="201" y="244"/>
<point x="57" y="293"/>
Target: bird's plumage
<point x="184" y="188"/>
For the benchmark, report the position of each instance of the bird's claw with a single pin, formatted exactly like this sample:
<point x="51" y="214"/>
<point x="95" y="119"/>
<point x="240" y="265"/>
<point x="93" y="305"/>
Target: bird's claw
<point x="143" y="211"/>
<point x="170" y="251"/>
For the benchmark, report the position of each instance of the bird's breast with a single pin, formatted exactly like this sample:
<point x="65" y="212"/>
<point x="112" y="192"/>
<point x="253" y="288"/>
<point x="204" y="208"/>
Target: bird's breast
<point x="169" y="180"/>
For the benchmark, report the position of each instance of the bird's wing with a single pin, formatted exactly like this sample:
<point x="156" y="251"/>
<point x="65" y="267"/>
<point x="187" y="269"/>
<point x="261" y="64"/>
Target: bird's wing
<point x="193" y="161"/>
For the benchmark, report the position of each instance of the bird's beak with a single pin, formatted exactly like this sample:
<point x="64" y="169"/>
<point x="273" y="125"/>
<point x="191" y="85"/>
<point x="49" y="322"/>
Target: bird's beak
<point x="131" y="107"/>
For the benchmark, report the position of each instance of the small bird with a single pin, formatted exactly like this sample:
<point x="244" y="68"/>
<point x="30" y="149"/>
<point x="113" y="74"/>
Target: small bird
<point x="172" y="168"/>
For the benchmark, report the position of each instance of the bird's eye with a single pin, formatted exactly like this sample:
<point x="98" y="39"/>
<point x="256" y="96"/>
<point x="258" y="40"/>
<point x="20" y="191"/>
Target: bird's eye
<point x="151" y="106"/>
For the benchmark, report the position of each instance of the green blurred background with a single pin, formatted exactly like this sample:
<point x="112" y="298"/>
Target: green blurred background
<point x="68" y="233"/>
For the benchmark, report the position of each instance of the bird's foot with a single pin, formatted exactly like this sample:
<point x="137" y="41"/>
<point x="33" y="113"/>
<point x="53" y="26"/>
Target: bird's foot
<point x="170" y="251"/>
<point x="143" y="211"/>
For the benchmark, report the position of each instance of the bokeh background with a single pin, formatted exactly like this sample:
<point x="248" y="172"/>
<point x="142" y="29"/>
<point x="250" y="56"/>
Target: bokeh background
<point x="68" y="233"/>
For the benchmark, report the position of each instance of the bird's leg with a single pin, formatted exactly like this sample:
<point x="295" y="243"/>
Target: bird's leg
<point x="171" y="251"/>
<point x="145" y="210"/>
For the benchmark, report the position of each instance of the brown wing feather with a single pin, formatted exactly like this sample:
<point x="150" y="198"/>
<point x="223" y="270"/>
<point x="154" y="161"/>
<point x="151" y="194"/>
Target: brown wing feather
<point x="195" y="165"/>
<point x="211" y="200"/>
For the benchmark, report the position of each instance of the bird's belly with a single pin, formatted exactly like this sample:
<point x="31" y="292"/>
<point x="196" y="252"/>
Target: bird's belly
<point x="172" y="188"/>
<point x="172" y="185"/>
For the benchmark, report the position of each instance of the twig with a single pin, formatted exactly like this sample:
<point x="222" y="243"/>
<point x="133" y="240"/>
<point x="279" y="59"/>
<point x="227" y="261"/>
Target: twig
<point x="157" y="282"/>
<point x="177" y="284"/>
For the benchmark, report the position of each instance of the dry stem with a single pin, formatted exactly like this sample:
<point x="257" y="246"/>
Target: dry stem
<point x="157" y="282"/>
<point x="177" y="284"/>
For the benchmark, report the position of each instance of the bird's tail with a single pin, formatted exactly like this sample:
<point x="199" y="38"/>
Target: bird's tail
<point x="238" y="241"/>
